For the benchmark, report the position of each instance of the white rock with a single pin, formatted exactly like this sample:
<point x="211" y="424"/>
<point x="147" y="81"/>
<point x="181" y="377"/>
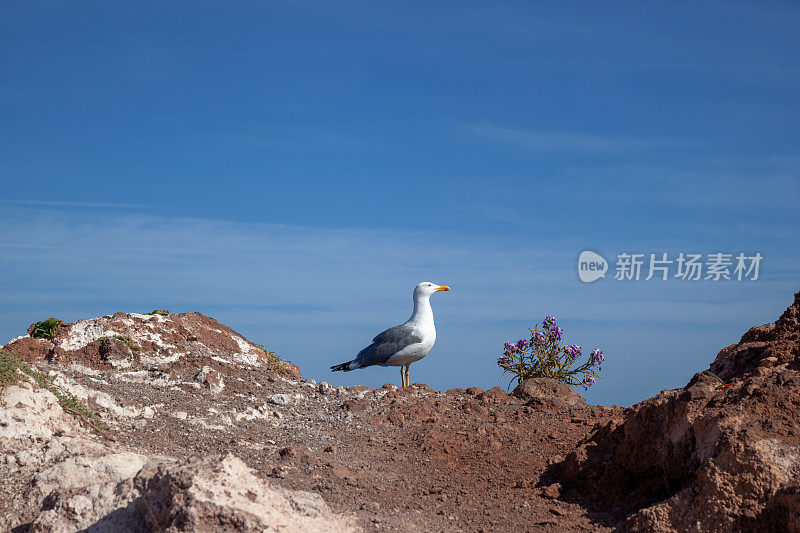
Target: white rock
<point x="280" y="399"/>
<point x="81" y="471"/>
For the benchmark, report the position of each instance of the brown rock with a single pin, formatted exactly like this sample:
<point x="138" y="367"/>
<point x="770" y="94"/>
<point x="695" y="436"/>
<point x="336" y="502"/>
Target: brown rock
<point x="768" y="362"/>
<point x="778" y="340"/>
<point x="475" y="409"/>
<point x="30" y="349"/>
<point x="548" y="394"/>
<point x="114" y="351"/>
<point x="297" y="455"/>
<point x="396" y="418"/>
<point x="492" y="396"/>
<point x="706" y="457"/>
<point x="552" y="491"/>
<point x="289" y="369"/>
<point x="392" y="395"/>
<point x="211" y="379"/>
<point x="342" y="472"/>
<point x="355" y="405"/>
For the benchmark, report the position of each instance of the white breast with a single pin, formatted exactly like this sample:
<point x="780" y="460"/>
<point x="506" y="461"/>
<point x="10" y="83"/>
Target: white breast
<point x="422" y="325"/>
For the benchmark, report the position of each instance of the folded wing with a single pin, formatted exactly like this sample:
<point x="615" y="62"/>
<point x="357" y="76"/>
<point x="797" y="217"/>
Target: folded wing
<point x="385" y="345"/>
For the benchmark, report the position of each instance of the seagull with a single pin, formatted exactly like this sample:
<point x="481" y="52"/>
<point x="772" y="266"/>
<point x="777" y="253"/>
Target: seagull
<point x="403" y="344"/>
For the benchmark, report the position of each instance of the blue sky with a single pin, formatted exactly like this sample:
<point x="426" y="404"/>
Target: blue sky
<point x="293" y="169"/>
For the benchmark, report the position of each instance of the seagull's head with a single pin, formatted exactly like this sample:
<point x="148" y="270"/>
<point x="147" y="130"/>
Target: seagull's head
<point x="426" y="288"/>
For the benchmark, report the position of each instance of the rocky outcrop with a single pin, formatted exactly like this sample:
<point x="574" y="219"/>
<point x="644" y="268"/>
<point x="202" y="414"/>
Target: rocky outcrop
<point x="212" y="494"/>
<point x="203" y="495"/>
<point x="43" y="449"/>
<point x="31" y="349"/>
<point x="132" y="341"/>
<point x="721" y="454"/>
<point x="764" y="346"/>
<point x="58" y="477"/>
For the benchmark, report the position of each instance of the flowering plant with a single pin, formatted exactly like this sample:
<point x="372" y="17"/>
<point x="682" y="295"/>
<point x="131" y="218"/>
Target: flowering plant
<point x="543" y="355"/>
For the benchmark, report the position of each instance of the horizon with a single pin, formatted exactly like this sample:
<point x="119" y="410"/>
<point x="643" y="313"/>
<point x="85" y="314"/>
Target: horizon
<point x="293" y="170"/>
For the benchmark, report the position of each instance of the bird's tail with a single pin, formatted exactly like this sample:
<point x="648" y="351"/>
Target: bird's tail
<point x="343" y="366"/>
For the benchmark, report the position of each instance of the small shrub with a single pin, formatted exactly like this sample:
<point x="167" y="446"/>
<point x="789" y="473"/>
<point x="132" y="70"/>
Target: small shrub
<point x="9" y="372"/>
<point x="126" y="340"/>
<point x="162" y="312"/>
<point x="275" y="362"/>
<point x="46" y="329"/>
<point x="543" y="355"/>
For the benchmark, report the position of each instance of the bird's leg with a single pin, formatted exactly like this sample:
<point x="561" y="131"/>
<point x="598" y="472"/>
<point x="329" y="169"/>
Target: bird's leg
<point x="408" y="375"/>
<point x="402" y="376"/>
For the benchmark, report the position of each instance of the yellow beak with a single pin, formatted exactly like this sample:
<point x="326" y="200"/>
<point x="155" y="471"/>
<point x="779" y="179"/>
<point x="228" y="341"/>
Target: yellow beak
<point x="443" y="288"/>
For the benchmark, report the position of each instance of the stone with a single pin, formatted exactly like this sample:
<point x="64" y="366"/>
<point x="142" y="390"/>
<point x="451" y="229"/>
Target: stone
<point x="548" y="394"/>
<point x="30" y="349"/>
<point x="494" y="395"/>
<point x="355" y="405"/>
<point x="211" y="379"/>
<point x="372" y="507"/>
<point x="396" y="418"/>
<point x="280" y="399"/>
<point x="552" y="491"/>
<point x="200" y="495"/>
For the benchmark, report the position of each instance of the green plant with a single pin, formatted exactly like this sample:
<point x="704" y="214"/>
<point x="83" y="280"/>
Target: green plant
<point x="275" y="362"/>
<point x="46" y="329"/>
<point x="128" y="341"/>
<point x="12" y="369"/>
<point x="9" y="373"/>
<point x="162" y="312"/>
<point x="543" y="355"/>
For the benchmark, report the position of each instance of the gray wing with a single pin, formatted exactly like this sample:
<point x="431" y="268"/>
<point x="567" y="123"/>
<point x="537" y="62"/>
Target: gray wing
<point x="386" y="344"/>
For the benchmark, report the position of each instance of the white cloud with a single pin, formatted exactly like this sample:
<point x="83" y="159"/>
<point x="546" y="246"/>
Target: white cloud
<point x="57" y="203"/>
<point x="544" y="140"/>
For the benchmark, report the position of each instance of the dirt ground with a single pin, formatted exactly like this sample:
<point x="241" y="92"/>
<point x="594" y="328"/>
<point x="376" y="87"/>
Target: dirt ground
<point x="401" y="459"/>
